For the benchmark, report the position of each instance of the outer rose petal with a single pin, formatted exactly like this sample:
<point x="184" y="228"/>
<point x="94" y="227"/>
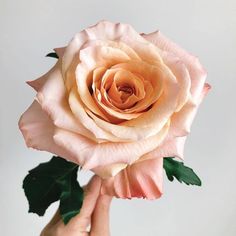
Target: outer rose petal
<point x="173" y="146"/>
<point x="181" y="121"/>
<point x="196" y="71"/>
<point x="141" y="180"/>
<point x="181" y="73"/>
<point x="38" y="83"/>
<point x="52" y="98"/>
<point x="109" y="170"/>
<point x="38" y="130"/>
<point x="60" y="51"/>
<point x="90" y="155"/>
<point x="122" y="46"/>
<point x="105" y="30"/>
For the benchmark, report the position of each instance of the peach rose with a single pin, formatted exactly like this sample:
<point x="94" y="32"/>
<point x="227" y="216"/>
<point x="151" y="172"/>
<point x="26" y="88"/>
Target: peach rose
<point x="117" y="102"/>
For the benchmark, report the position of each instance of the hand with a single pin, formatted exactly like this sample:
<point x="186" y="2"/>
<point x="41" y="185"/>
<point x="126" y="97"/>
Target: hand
<point x="94" y="213"/>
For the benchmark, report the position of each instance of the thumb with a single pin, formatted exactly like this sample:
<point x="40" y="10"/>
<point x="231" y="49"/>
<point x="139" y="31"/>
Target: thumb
<point x="91" y="192"/>
<point x="100" y="218"/>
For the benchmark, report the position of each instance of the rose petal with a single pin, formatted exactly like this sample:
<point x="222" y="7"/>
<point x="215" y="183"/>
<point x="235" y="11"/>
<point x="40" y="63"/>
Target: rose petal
<point x="81" y="113"/>
<point x="92" y="58"/>
<point x="38" y="83"/>
<point x="109" y="170"/>
<point x="60" y="51"/>
<point x="152" y="76"/>
<point x="105" y="30"/>
<point x="150" y="122"/>
<point x="171" y="147"/>
<point x="141" y="180"/>
<point x="181" y="73"/>
<point x="181" y="121"/>
<point x="52" y="98"/>
<point x="110" y="101"/>
<point x="196" y="71"/>
<point x="69" y="73"/>
<point x="113" y="44"/>
<point x="91" y="155"/>
<point x="38" y="130"/>
<point x="125" y="78"/>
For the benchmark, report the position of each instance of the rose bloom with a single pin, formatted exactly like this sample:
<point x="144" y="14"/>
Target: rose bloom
<point x="116" y="103"/>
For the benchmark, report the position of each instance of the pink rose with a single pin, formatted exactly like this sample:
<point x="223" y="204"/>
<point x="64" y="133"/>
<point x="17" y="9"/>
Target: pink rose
<point x="117" y="102"/>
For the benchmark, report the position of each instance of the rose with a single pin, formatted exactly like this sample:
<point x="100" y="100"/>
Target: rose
<point x="116" y="103"/>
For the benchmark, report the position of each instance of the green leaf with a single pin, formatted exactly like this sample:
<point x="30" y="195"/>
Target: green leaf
<point x="52" y="181"/>
<point x="52" y="54"/>
<point x="181" y="172"/>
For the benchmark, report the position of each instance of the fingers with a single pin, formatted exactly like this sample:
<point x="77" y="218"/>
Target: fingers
<point x="83" y="219"/>
<point x="56" y="218"/>
<point x="91" y="191"/>
<point x="80" y="223"/>
<point x="100" y="218"/>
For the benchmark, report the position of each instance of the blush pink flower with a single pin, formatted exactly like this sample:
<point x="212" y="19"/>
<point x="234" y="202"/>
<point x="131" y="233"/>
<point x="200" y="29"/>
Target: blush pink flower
<point x="117" y="102"/>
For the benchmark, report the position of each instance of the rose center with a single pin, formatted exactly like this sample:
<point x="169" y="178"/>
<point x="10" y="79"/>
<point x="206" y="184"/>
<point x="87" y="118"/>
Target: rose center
<point x="125" y="91"/>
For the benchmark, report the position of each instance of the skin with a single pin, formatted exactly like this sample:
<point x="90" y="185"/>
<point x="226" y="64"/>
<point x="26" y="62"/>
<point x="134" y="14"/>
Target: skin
<point x="94" y="213"/>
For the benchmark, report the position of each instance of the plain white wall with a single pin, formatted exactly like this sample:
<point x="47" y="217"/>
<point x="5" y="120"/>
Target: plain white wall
<point x="207" y="28"/>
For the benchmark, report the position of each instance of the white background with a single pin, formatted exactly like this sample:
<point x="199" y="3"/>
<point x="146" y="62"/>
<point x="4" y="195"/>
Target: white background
<point x="207" y="28"/>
